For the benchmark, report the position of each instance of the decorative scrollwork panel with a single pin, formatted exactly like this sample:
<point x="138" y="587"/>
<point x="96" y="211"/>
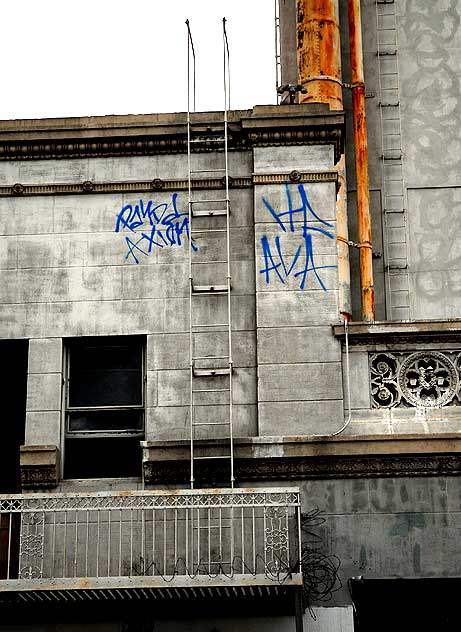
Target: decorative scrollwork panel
<point x="423" y="379"/>
<point x="31" y="545"/>
<point x="276" y="549"/>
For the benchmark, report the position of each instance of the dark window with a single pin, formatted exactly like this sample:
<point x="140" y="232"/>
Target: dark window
<point x="104" y="407"/>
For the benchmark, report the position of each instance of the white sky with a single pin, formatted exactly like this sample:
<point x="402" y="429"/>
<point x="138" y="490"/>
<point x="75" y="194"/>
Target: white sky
<point x="84" y="57"/>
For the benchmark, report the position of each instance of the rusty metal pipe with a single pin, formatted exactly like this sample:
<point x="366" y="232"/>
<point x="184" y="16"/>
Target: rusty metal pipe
<point x="318" y="52"/>
<point x="319" y="71"/>
<point x="361" y="162"/>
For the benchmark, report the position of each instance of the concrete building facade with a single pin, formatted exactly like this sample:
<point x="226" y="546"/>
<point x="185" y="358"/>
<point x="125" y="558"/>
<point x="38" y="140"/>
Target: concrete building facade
<point x="346" y="438"/>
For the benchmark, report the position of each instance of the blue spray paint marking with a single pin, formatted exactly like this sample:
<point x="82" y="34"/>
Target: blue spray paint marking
<point x="159" y="226"/>
<point x="303" y="260"/>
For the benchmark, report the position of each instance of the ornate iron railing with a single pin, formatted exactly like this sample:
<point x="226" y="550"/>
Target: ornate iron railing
<point x="160" y="535"/>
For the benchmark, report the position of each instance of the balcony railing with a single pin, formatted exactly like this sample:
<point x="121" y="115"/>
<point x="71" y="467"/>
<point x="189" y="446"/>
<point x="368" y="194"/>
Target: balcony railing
<point x="150" y="539"/>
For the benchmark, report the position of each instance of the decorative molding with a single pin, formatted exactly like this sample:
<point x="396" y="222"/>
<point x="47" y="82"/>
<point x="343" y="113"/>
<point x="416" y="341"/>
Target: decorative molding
<point x="401" y="332"/>
<point x="39" y="466"/>
<point x="408" y="340"/>
<point x="152" y="146"/>
<point x="424" y="379"/>
<point x="133" y="186"/>
<point x="38" y="477"/>
<point x="145" y="135"/>
<point x="158" y="184"/>
<point x="295" y="176"/>
<point x="295" y="469"/>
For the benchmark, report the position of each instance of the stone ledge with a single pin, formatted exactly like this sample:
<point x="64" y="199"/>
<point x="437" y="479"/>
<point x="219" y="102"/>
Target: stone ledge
<point x="39" y="466"/>
<point x="363" y="333"/>
<point x="267" y="447"/>
<point x="294" y="458"/>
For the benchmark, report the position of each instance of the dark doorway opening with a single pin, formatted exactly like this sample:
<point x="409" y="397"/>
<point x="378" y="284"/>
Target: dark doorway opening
<point x="425" y="604"/>
<point x="13" y="392"/>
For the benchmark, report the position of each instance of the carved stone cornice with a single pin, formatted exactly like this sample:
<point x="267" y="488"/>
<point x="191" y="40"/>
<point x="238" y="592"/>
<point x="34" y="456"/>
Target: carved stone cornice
<point x="39" y="466"/>
<point x="295" y="176"/>
<point x="129" y="186"/>
<point x="305" y="468"/>
<point x="158" y="184"/>
<point x="154" y="134"/>
<point x="38" y="477"/>
<point x="295" y="458"/>
<point x="405" y="332"/>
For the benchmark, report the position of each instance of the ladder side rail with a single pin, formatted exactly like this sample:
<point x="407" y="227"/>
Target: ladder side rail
<point x="403" y="191"/>
<point x="385" y="194"/>
<point x="229" y="279"/>
<point x="278" y="52"/>
<point x="383" y="184"/>
<point x="190" y="54"/>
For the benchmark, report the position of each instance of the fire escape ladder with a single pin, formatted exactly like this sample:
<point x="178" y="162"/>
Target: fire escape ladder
<point x="210" y="322"/>
<point x="393" y="187"/>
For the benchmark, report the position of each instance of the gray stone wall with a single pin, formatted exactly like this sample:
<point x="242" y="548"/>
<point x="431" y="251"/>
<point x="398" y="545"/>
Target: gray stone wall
<point x="388" y="527"/>
<point x="415" y="238"/>
<point x="67" y="272"/>
<point x="299" y="370"/>
<point x="83" y="265"/>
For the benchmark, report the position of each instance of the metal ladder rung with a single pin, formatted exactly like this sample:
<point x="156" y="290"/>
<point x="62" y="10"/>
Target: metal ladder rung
<point x="206" y="128"/>
<point x="206" y="213"/>
<point x="224" y="357"/>
<point x="210" y="390"/>
<point x="207" y="170"/>
<point x="208" y="263"/>
<point x="207" y="140"/>
<point x="211" y="423"/>
<point x="211" y="325"/>
<point x="210" y="372"/>
<point x="396" y="104"/>
<point x="208" y="230"/>
<point x="223" y="456"/>
<point x="205" y="201"/>
<point x="209" y="289"/>
<point x="386" y="53"/>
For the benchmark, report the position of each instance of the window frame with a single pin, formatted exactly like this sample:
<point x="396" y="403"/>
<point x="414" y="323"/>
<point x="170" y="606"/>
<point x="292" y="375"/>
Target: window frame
<point x="104" y="341"/>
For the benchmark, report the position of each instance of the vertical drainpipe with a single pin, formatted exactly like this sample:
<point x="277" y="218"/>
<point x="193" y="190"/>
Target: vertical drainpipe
<point x="319" y="71"/>
<point x="361" y="162"/>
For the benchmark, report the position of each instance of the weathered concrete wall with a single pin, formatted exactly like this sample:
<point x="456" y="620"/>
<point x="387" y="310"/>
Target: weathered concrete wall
<point x="299" y="370"/>
<point x="87" y="265"/>
<point x="424" y="77"/>
<point x="388" y="527"/>
<point x="430" y="50"/>
<point x="66" y="272"/>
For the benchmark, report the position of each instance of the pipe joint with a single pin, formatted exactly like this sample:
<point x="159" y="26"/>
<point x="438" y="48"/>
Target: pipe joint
<point x="322" y="78"/>
<point x="355" y="85"/>
<point x="354" y="244"/>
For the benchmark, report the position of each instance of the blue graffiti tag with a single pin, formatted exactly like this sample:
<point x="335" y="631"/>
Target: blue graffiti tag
<point x="303" y="260"/>
<point x="157" y="226"/>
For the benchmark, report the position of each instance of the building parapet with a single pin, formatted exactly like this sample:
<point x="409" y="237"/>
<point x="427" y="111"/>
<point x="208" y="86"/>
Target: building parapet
<point x="150" y="134"/>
